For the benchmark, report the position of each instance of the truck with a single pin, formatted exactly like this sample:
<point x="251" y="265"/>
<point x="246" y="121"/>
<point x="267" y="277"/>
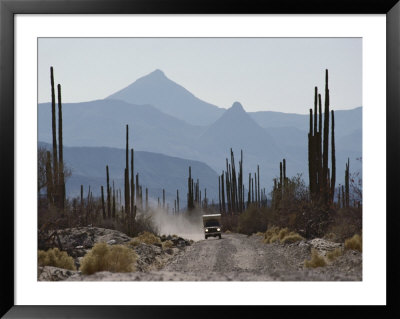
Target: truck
<point x="212" y="225"/>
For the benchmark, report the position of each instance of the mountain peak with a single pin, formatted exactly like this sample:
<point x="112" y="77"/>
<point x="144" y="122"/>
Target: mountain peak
<point x="236" y="114"/>
<point x="236" y="106"/>
<point x="158" y="73"/>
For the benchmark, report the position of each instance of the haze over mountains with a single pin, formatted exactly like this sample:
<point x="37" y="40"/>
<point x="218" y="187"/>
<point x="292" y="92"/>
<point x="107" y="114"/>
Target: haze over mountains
<point x="165" y="118"/>
<point x="173" y="99"/>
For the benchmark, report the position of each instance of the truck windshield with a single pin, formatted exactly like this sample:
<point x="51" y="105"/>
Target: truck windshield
<point x="212" y="222"/>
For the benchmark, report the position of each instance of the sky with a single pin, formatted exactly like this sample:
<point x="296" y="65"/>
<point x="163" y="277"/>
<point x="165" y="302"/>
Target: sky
<point x="263" y="74"/>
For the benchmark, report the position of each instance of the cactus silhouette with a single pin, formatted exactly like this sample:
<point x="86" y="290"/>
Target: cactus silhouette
<point x="54" y="135"/>
<point x="61" y="181"/>
<point x="108" y="194"/>
<point x="321" y="179"/>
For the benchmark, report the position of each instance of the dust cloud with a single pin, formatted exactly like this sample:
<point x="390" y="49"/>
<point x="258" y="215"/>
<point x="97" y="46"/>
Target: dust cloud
<point x="180" y="225"/>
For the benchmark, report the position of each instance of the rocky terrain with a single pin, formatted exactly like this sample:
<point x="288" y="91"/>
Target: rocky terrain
<point x="235" y="257"/>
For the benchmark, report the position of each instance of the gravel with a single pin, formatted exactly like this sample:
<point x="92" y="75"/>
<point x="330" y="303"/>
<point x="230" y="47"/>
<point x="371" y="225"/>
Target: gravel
<point x="238" y="257"/>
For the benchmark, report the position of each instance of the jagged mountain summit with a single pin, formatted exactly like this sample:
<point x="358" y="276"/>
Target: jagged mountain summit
<point x="236" y="129"/>
<point x="168" y="97"/>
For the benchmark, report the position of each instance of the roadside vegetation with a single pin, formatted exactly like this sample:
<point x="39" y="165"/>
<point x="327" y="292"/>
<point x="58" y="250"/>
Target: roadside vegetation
<point x="56" y="258"/>
<point x="113" y="258"/>
<point x="295" y="209"/>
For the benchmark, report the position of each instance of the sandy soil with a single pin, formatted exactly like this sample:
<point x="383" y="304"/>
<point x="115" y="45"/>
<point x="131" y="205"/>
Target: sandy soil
<point x="238" y="257"/>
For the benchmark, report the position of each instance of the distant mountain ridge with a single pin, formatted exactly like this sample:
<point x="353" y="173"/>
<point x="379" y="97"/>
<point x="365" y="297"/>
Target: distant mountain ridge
<point x="169" y="97"/>
<point x="265" y="137"/>
<point x="156" y="171"/>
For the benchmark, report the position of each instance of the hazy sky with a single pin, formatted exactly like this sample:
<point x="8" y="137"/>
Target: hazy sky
<point x="274" y="74"/>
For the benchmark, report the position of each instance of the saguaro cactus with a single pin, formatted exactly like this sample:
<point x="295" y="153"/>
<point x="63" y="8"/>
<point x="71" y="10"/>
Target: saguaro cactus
<point x="347" y="183"/>
<point x="163" y="198"/>
<point x="127" y="192"/>
<point x="108" y="194"/>
<point x="60" y="153"/>
<point x="54" y="134"/>
<point x="325" y="143"/>
<point x="223" y="193"/>
<point x="132" y="182"/>
<point x="322" y="183"/>
<point x="190" y="196"/>
<point x="177" y="200"/>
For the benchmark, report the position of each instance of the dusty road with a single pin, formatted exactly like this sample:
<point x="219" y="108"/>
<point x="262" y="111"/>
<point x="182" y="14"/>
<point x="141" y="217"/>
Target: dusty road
<point x="243" y="258"/>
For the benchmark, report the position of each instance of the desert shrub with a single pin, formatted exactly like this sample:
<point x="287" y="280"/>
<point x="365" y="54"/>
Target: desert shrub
<point x="167" y="244"/>
<point x="315" y="261"/>
<point x="332" y="255"/>
<point x="55" y="257"/>
<point x="291" y="238"/>
<point x="229" y="222"/>
<point x="145" y="223"/>
<point x="252" y="220"/>
<point x="145" y="238"/>
<point x="271" y="233"/>
<point x="227" y="232"/>
<point x="346" y="223"/>
<point x="354" y="243"/>
<point x="282" y="233"/>
<point x="284" y="236"/>
<point x="103" y="257"/>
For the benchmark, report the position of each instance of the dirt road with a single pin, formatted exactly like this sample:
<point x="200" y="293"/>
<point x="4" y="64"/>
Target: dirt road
<point x="244" y="258"/>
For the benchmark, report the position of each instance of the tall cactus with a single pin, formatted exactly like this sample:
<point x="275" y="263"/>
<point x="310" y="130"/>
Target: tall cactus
<point x="258" y="186"/>
<point x="177" y="200"/>
<point x="322" y="183"/>
<point x="132" y="183"/>
<point x="108" y="193"/>
<point x="333" y="158"/>
<point x="54" y="134"/>
<point x="347" y="184"/>
<point x="190" y="200"/>
<point x="163" y="198"/>
<point x="81" y="198"/>
<point x="223" y="193"/>
<point x="127" y="192"/>
<point x="61" y="181"/>
<point x="325" y="176"/>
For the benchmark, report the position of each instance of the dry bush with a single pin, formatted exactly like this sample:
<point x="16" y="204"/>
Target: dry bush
<point x="146" y="238"/>
<point x="315" y="261"/>
<point x="271" y="233"/>
<point x="229" y="222"/>
<point x="354" y="243"/>
<point x="167" y="244"/>
<point x="259" y="234"/>
<point x="283" y="233"/>
<point x="291" y="238"/>
<point x="284" y="236"/>
<point x="103" y="257"/>
<point x="56" y="258"/>
<point x="346" y="223"/>
<point x="333" y="254"/>
<point x="252" y="220"/>
<point x="227" y="232"/>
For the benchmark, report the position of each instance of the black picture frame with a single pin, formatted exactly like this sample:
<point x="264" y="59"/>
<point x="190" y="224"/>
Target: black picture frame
<point x="8" y="10"/>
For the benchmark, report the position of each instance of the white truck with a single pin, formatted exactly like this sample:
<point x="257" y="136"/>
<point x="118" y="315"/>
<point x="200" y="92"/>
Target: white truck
<point x="212" y="225"/>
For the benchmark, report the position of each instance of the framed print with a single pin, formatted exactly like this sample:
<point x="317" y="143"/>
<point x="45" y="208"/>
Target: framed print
<point x="162" y="155"/>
